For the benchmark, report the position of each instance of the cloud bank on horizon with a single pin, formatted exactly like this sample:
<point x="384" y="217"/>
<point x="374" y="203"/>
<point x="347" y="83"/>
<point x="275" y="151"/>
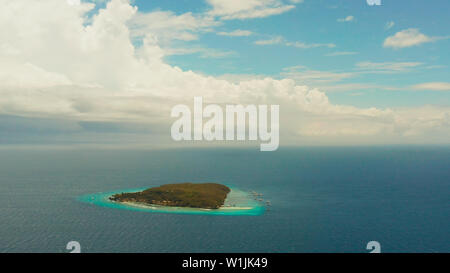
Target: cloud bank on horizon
<point x="79" y="63"/>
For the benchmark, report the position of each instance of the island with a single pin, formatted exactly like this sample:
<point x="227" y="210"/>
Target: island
<point x="205" y="196"/>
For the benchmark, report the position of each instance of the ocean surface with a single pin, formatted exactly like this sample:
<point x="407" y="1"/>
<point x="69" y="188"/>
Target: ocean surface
<point x="323" y="200"/>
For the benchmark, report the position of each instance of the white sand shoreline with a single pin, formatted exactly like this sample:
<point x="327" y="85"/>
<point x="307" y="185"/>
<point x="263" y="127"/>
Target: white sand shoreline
<point x="147" y="206"/>
<point x="231" y="204"/>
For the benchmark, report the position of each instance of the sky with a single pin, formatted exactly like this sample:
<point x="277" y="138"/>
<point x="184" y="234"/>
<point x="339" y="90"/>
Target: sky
<point x="108" y="72"/>
<point x="355" y="33"/>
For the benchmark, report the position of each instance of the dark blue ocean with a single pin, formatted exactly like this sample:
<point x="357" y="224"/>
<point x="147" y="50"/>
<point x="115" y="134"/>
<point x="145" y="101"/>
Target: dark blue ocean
<point x="323" y="200"/>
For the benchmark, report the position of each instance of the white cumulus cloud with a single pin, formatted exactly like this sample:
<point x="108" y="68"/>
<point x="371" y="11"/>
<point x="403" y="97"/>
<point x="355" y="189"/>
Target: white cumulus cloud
<point x="59" y="64"/>
<point x="248" y="9"/>
<point x="349" y="18"/>
<point x="280" y="40"/>
<point x="235" y="33"/>
<point x="433" y="86"/>
<point x="408" y="38"/>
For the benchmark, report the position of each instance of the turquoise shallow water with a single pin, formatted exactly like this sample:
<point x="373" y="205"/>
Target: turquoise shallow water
<point x="237" y="197"/>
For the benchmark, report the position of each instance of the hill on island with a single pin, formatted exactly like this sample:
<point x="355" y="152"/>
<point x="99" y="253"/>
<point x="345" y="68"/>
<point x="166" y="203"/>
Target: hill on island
<point x="206" y="195"/>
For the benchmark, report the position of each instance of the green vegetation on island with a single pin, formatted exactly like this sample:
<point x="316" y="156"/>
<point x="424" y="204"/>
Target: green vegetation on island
<point x="207" y="195"/>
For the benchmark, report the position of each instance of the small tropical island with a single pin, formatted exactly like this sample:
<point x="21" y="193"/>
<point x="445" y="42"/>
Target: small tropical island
<point x="204" y="196"/>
